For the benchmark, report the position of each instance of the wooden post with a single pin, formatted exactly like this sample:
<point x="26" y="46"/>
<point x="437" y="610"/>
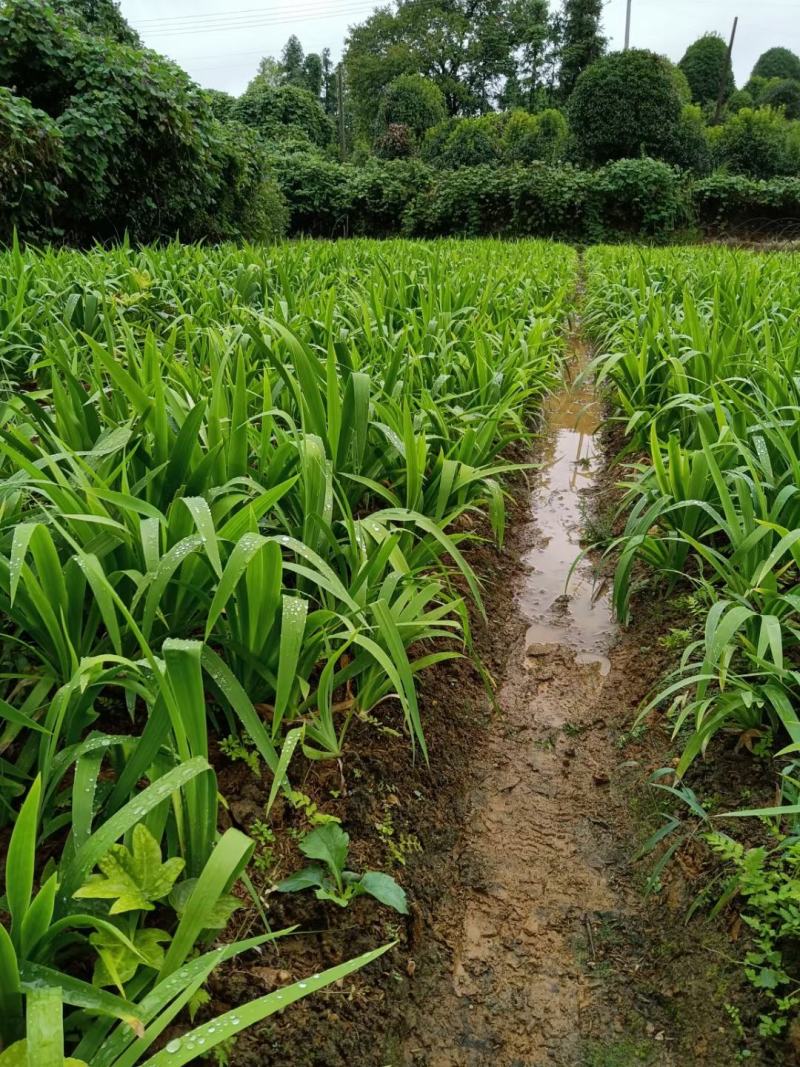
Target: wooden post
<point x="723" y="73"/>
<point x="340" y="107"/>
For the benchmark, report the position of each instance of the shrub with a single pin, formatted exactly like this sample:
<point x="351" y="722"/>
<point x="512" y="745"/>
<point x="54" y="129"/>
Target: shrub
<point x="706" y="65"/>
<point x="624" y="105"/>
<point x="222" y="104"/>
<point x="637" y="198"/>
<point x="100" y="17"/>
<point x="628" y="198"/>
<point x="412" y="101"/>
<point x="283" y="111"/>
<point x="550" y="201"/>
<point x="316" y="191"/>
<point x="468" y="142"/>
<point x="692" y="149"/>
<point x="468" y="202"/>
<point x="777" y="63"/>
<point x="380" y="193"/>
<point x="753" y="142"/>
<point x="30" y="165"/>
<point x="783" y="93"/>
<point x="142" y="151"/>
<point x="529" y="137"/>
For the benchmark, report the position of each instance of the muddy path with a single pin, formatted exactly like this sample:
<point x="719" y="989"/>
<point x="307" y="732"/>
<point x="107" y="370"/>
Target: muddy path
<point x="554" y="958"/>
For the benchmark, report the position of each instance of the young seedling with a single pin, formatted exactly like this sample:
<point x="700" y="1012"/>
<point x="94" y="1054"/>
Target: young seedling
<point x="330" y="844"/>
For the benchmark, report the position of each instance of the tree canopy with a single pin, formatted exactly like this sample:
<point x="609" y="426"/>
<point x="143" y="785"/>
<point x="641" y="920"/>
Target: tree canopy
<point x="707" y="68"/>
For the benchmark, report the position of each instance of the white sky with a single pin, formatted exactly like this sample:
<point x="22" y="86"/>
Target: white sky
<point x="219" y="42"/>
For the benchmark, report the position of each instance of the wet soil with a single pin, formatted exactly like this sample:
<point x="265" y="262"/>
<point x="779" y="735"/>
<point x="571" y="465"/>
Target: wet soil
<point x="530" y="943"/>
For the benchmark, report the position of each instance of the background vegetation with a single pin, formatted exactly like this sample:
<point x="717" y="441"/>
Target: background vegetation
<point x="101" y="137"/>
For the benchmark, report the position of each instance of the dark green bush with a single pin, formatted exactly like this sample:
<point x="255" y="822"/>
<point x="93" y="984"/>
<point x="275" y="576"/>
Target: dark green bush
<point x="283" y="110"/>
<point x="707" y="66"/>
<point x="632" y="198"/>
<point x="527" y="138"/>
<point x="379" y="194"/>
<point x="692" y="148"/>
<point x="730" y="203"/>
<point x="411" y="101"/>
<point x="783" y="93"/>
<point x="464" y="142"/>
<point x="626" y="104"/>
<point x="777" y="63"/>
<point x="468" y="202"/>
<point x="30" y="167"/>
<point x="550" y="201"/>
<point x="316" y="190"/>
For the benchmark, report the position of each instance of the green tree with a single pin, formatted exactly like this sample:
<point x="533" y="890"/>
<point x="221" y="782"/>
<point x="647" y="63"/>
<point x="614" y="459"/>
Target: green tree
<point x="777" y="63"/>
<point x="707" y="67"/>
<point x="330" y="92"/>
<point x="270" y="72"/>
<point x="288" y="111"/>
<point x="312" y="74"/>
<point x="533" y="33"/>
<point x="292" y="58"/>
<point x="468" y="47"/>
<point x="626" y="104"/>
<point x="581" y="41"/>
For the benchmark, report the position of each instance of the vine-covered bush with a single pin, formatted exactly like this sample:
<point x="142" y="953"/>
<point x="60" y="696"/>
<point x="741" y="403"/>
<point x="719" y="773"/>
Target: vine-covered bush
<point x="731" y="203"/>
<point x="142" y="151"/>
<point x="379" y="194"/>
<point x="30" y="166"/>
<point x="316" y="191"/>
<point x="282" y="111"/>
<point x="638" y="198"/>
<point x="626" y="104"/>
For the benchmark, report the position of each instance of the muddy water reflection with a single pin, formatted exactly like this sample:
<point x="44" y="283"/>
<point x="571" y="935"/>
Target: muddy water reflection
<point x="574" y="614"/>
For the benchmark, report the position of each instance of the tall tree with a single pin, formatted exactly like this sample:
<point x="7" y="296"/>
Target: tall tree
<point x="581" y="43"/>
<point x="312" y="74"/>
<point x="534" y="34"/>
<point x="330" y="95"/>
<point x="292" y="58"/>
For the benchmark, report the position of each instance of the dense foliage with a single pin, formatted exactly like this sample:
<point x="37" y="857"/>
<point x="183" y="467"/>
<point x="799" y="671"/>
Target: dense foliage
<point x="708" y="70"/>
<point x="141" y="150"/>
<point x="777" y="63"/>
<point x="626" y="104"/>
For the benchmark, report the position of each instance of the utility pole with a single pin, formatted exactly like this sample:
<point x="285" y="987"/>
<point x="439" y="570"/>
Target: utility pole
<point x="628" y="26"/>
<point x="340" y="108"/>
<point x="722" y="74"/>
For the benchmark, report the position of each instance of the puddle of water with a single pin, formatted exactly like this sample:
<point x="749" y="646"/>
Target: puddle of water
<point x="576" y="615"/>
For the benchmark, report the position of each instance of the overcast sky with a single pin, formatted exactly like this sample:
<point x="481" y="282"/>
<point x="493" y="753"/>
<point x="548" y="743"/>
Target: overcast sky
<point x="221" y="43"/>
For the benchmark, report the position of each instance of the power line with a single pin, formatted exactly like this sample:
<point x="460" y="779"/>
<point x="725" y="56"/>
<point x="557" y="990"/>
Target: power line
<point x="305" y="14"/>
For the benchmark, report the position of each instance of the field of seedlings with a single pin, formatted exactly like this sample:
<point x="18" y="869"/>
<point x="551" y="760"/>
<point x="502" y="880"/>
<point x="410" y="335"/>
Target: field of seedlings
<point x="235" y="487"/>
<point x="302" y="686"/>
